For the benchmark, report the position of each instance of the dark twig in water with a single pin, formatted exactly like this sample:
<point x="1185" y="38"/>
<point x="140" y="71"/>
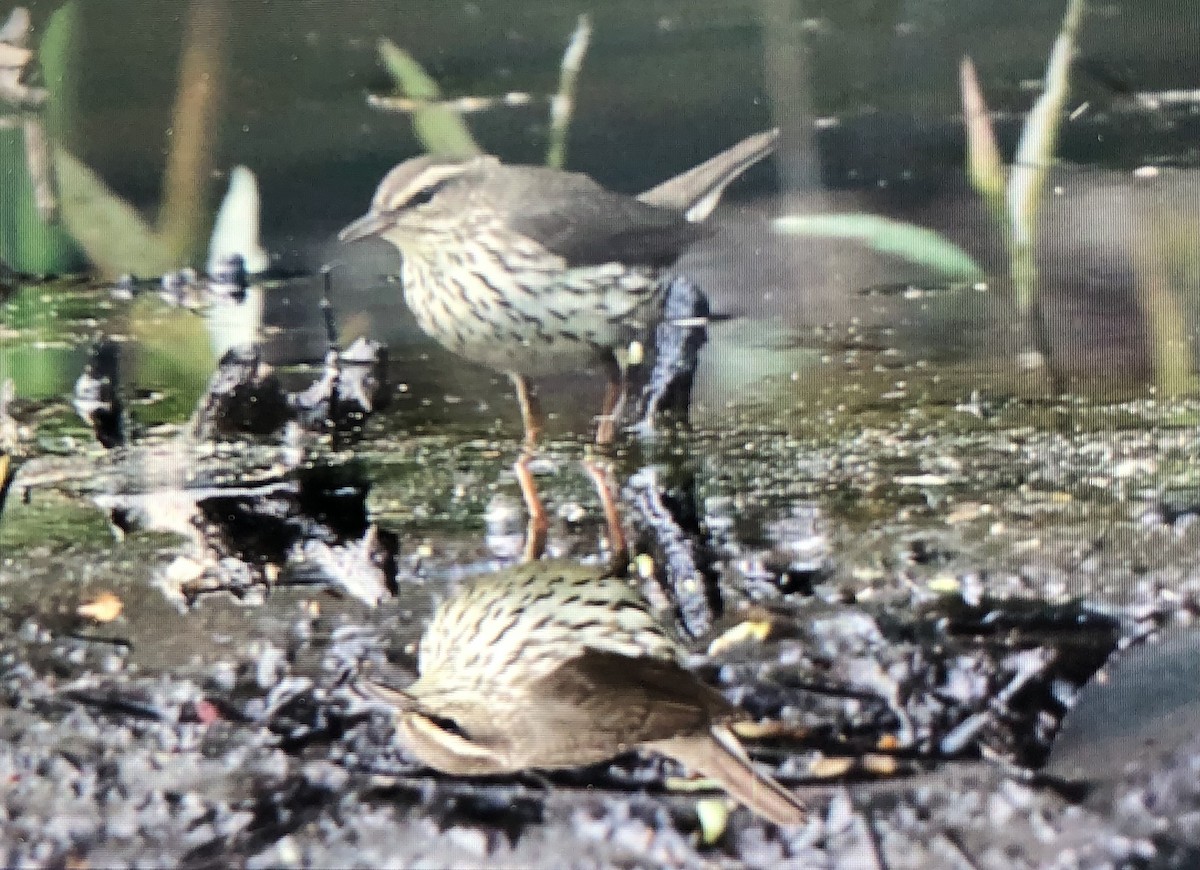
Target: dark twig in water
<point x="677" y="342"/>
<point x="118" y="642"/>
<point x="670" y="521"/>
<point x="111" y="701"/>
<point x="867" y="820"/>
<point x="327" y="314"/>
<point x="97" y="399"/>
<point x="955" y="841"/>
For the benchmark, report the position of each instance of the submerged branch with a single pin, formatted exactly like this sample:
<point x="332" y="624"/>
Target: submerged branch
<point x="562" y="105"/>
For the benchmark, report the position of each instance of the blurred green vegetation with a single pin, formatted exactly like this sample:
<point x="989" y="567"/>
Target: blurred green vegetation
<point x="172" y="355"/>
<point x="51" y="521"/>
<point x="27" y="242"/>
<point x="95" y="224"/>
<point x="1014" y="195"/>
<point x="1167" y="261"/>
<point x="442" y="130"/>
<point x="43" y="326"/>
<point x="909" y="242"/>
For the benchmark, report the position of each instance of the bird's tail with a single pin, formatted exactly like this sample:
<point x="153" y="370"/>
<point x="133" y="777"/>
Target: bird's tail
<point x="723" y="759"/>
<point x="697" y="191"/>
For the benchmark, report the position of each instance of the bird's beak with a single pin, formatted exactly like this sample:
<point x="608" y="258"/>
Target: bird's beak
<point x="370" y="224"/>
<point x="371" y="690"/>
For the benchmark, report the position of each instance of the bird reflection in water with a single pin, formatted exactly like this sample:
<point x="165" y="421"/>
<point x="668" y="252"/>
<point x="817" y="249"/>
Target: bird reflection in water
<point x="556" y="665"/>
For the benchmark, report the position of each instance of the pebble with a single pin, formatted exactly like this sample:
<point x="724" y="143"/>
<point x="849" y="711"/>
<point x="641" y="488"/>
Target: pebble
<point x="325" y="775"/>
<point x="471" y="840"/>
<point x="222" y="677"/>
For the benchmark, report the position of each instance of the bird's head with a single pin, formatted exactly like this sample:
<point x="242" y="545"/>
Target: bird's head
<point x="410" y="185"/>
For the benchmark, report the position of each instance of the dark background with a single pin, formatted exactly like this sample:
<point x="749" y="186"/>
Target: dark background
<point x="665" y="84"/>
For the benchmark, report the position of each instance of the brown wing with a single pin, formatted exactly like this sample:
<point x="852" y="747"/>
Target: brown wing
<point x="633" y="700"/>
<point x="583" y="223"/>
<point x="589" y="709"/>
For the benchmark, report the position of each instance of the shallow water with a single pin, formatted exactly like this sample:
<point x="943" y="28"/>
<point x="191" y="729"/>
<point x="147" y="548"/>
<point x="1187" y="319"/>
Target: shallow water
<point x="919" y="550"/>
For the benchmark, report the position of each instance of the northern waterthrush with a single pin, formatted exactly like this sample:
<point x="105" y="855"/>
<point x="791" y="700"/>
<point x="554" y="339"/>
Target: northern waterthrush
<point x="554" y="665"/>
<point x="534" y="271"/>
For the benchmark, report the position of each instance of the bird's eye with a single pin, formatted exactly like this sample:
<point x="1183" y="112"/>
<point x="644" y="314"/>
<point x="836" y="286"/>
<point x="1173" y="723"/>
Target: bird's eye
<point x="424" y="195"/>
<point x="447" y="725"/>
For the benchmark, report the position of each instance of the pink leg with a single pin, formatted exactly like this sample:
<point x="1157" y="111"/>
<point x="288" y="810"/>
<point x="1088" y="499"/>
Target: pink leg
<point x="614" y="398"/>
<point x="531" y="419"/>
<point x="601" y="474"/>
